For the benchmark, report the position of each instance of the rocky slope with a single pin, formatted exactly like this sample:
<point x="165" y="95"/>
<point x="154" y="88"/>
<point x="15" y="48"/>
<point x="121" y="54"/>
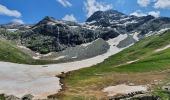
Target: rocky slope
<point x="51" y="35"/>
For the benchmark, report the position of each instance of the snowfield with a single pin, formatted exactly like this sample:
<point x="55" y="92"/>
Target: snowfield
<point x="40" y="80"/>
<point x="123" y="89"/>
<point x="163" y="48"/>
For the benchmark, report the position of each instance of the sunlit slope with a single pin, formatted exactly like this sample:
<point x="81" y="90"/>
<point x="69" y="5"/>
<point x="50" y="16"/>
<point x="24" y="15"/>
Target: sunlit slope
<point x="143" y="53"/>
<point x="10" y="53"/>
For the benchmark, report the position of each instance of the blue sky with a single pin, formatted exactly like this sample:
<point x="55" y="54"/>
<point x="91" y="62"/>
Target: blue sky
<point x="31" y="11"/>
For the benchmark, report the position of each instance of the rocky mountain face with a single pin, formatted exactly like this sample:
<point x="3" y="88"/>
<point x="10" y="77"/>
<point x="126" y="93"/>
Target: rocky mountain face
<point x="128" y="24"/>
<point x="51" y="35"/>
<point x="14" y="26"/>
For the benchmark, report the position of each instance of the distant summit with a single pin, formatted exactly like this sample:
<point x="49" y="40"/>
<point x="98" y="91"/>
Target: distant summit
<point x="100" y="15"/>
<point x="46" y="20"/>
<point x="51" y="35"/>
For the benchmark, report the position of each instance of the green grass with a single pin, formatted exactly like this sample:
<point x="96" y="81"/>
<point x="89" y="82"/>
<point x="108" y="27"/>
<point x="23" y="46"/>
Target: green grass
<point x="163" y="94"/>
<point x="143" y="50"/>
<point x="10" y="35"/>
<point x="10" y="53"/>
<point x="150" y="61"/>
<point x="2" y="97"/>
<point x="154" y="62"/>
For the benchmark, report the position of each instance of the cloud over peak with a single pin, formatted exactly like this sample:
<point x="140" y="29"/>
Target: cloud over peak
<point x="18" y="21"/>
<point x="154" y="13"/>
<point x="70" y="18"/>
<point x="92" y="6"/>
<point x="8" y="12"/>
<point x="139" y="13"/>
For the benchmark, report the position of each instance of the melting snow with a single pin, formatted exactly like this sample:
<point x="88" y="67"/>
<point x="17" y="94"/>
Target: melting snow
<point x="164" y="48"/>
<point x="135" y="36"/>
<point x="12" y="30"/>
<point x="21" y="79"/>
<point x="123" y="89"/>
<point x="58" y="58"/>
<point x="49" y="54"/>
<point x="74" y="57"/>
<point x="162" y="30"/>
<point x="36" y="57"/>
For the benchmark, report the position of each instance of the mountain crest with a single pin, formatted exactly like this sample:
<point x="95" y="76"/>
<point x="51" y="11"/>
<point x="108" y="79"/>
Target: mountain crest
<point x="46" y="20"/>
<point x="111" y="14"/>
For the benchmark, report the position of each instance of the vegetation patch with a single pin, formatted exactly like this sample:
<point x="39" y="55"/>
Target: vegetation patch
<point x="101" y="75"/>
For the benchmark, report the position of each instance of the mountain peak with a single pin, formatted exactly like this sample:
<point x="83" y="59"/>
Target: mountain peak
<point x="113" y="12"/>
<point x="98" y="15"/>
<point x="47" y="19"/>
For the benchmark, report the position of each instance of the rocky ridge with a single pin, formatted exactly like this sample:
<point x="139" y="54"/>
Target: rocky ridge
<point x="51" y="35"/>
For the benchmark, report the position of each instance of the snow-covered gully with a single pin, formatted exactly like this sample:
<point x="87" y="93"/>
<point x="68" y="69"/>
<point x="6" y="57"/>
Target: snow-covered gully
<point x="124" y="89"/>
<point x="40" y="81"/>
<point x="163" y="48"/>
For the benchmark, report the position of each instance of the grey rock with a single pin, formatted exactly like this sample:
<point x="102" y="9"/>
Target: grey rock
<point x="51" y="35"/>
<point x="27" y="97"/>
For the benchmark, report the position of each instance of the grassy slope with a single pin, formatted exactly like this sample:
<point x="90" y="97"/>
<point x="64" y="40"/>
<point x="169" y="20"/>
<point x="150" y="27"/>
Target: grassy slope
<point x="98" y="76"/>
<point x="10" y="53"/>
<point x="83" y="83"/>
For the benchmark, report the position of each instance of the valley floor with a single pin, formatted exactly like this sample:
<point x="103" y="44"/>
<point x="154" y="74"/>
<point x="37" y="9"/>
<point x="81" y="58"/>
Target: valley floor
<point x="137" y="65"/>
<point x="41" y="80"/>
<point x="146" y="67"/>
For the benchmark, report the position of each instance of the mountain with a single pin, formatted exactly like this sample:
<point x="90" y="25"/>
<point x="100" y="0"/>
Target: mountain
<point x="120" y="49"/>
<point x="10" y="53"/>
<point x="15" y="26"/>
<point x="51" y="35"/>
<point x="105" y="18"/>
<point x="143" y="63"/>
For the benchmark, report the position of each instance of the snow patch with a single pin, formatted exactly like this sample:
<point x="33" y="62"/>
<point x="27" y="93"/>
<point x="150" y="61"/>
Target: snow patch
<point x="12" y="30"/>
<point x="123" y="89"/>
<point x="135" y="36"/>
<point x="149" y="34"/>
<point x="51" y="23"/>
<point x="23" y="47"/>
<point x="73" y="26"/>
<point x="58" y="58"/>
<point x="164" y="48"/>
<point x="49" y="54"/>
<point x="21" y="79"/>
<point x="36" y="57"/>
<point x="130" y="62"/>
<point x="74" y="57"/>
<point x="115" y="41"/>
<point x="162" y="30"/>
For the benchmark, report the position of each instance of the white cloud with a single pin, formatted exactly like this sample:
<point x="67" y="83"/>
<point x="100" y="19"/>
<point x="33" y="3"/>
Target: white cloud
<point x="92" y="6"/>
<point x="18" y="21"/>
<point x="165" y="4"/>
<point x="138" y="13"/>
<point x="64" y="3"/>
<point x="5" y="11"/>
<point x="70" y="18"/>
<point x="154" y="13"/>
<point x="143" y="3"/>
